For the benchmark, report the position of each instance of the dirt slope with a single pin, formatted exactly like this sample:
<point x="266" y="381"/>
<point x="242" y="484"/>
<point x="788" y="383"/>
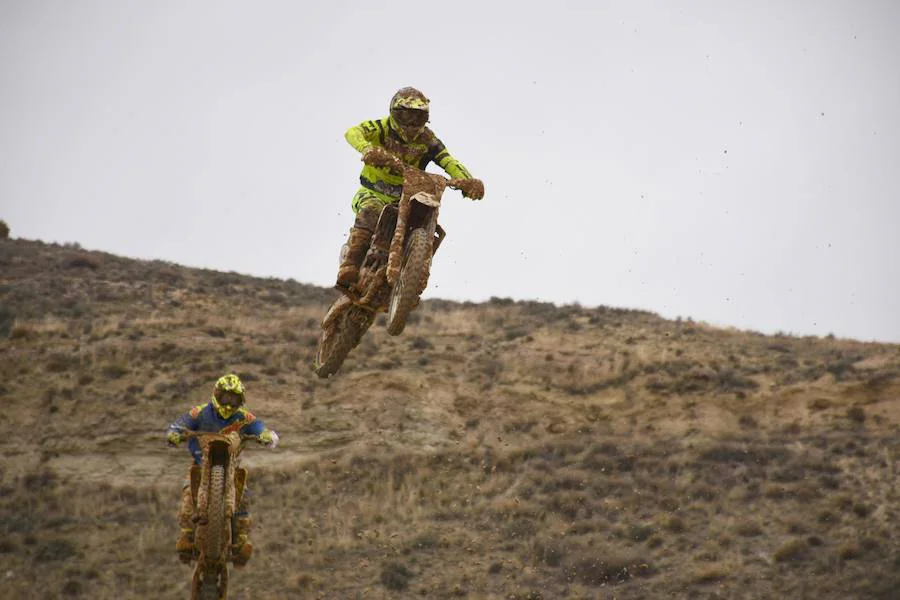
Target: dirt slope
<point x="501" y="450"/>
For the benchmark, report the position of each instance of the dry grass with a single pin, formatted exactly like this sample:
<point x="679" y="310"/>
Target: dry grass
<point x="501" y="450"/>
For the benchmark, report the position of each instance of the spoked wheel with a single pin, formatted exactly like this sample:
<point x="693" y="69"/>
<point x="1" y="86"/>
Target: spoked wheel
<point x="341" y="336"/>
<point x="412" y="281"/>
<point x="209" y="586"/>
<point x="215" y="529"/>
<point x="211" y="582"/>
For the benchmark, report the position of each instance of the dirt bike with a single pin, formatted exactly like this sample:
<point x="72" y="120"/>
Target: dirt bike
<point x="217" y="485"/>
<point x="396" y="267"/>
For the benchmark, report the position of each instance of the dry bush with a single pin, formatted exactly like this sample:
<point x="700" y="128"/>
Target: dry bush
<point x="4" y="230"/>
<point x="792" y="551"/>
<point x="395" y="576"/>
<point x="83" y="261"/>
<point x="549" y="551"/>
<point x="675" y="524"/>
<point x="857" y="414"/>
<point x="605" y="567"/>
<point x="748" y="529"/>
<point x="710" y="573"/>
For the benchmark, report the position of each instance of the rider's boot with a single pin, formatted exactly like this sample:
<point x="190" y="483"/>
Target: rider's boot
<point x="242" y="548"/>
<point x="357" y="246"/>
<point x="185" y="544"/>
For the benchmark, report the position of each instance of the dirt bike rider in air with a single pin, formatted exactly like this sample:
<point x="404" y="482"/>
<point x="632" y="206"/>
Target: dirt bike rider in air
<point x="403" y="133"/>
<point x="224" y="413"/>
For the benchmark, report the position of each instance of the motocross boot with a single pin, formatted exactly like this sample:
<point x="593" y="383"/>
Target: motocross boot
<point x="185" y="544"/>
<point x="357" y="246"/>
<point x="242" y="548"/>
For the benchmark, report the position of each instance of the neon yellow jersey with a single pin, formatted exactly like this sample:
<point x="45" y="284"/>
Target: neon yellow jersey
<point x="418" y="153"/>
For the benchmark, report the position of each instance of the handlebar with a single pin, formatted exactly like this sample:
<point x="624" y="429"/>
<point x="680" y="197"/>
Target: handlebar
<point x="384" y="158"/>
<point x="190" y="433"/>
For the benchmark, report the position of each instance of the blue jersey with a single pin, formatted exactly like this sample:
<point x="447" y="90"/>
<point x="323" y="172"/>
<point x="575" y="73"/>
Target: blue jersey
<point x="205" y="418"/>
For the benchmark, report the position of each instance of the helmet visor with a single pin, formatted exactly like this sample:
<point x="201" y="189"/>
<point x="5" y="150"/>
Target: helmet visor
<point x="410" y="117"/>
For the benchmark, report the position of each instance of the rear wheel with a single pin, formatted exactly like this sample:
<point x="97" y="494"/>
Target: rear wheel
<point x="341" y="336"/>
<point x="412" y="281"/>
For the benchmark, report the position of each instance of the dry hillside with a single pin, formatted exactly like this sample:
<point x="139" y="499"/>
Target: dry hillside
<point x="506" y="450"/>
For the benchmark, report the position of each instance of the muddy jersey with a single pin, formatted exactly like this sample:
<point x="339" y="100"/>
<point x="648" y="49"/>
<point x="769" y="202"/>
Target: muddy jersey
<point x="424" y="149"/>
<point x="204" y="417"/>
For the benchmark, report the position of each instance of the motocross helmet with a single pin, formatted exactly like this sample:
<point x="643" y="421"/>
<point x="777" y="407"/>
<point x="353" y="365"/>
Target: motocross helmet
<point x="409" y="113"/>
<point x="227" y="383"/>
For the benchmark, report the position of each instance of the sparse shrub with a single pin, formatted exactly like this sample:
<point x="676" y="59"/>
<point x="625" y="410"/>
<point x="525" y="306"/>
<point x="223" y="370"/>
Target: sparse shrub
<point x="675" y="524"/>
<point x="395" y="576"/>
<point x="747" y="422"/>
<point x="55" y="549"/>
<point x="514" y="333"/>
<point x="519" y="529"/>
<point x="83" y="261"/>
<point x="115" y="371"/>
<point x="792" y="551"/>
<point x="428" y="539"/>
<point x="72" y="588"/>
<point x="796" y="527"/>
<point x="421" y="343"/>
<point x="862" y="510"/>
<point x="22" y="331"/>
<point x="4" y="230"/>
<point x="828" y="517"/>
<point x="603" y="568"/>
<point x="841" y="368"/>
<point x="640" y="532"/>
<point x="775" y="492"/>
<point x="710" y="573"/>
<point x="7" y="320"/>
<point x="548" y="551"/>
<point x="748" y="529"/>
<point x="759" y="455"/>
<point x="819" y="404"/>
<point x="849" y="551"/>
<point x="216" y="332"/>
<point x="857" y="414"/>
<point x="60" y="363"/>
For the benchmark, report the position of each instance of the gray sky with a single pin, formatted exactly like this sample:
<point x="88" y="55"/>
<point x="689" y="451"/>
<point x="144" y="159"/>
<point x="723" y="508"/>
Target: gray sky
<point x="737" y="162"/>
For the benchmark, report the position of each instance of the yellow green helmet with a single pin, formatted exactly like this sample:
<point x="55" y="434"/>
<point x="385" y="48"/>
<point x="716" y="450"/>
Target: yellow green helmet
<point x="409" y="112"/>
<point x="227" y="383"/>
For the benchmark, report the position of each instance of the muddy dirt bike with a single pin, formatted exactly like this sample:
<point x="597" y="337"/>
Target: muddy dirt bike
<point x="394" y="272"/>
<point x="217" y="485"/>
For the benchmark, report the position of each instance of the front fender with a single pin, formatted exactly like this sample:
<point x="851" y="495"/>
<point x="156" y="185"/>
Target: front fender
<point x="430" y="200"/>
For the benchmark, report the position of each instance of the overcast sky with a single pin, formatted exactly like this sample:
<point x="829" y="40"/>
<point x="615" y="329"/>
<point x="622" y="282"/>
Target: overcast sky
<point x="737" y="162"/>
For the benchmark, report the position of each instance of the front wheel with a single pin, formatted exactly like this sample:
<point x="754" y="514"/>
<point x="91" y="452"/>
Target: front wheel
<point x="215" y="539"/>
<point x="412" y="281"/>
<point x="208" y="589"/>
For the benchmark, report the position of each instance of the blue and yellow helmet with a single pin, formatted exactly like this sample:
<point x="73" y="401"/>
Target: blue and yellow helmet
<point x="227" y="383"/>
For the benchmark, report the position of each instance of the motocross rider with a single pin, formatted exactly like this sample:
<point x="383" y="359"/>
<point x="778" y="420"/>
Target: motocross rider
<point x="403" y="133"/>
<point x="224" y="413"/>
